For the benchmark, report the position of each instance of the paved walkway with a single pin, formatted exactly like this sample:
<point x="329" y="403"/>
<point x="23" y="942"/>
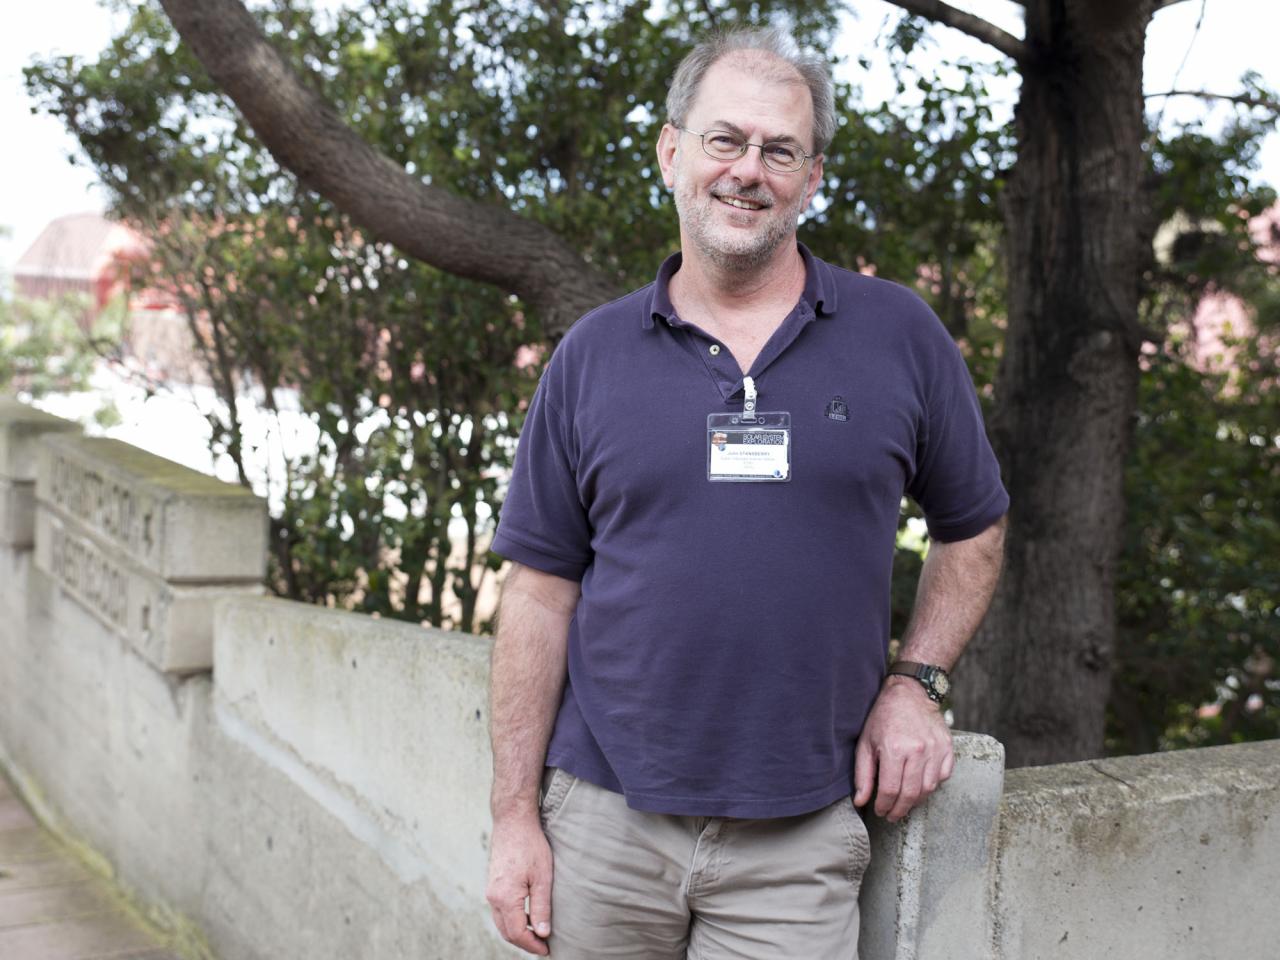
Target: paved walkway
<point x="52" y="907"/>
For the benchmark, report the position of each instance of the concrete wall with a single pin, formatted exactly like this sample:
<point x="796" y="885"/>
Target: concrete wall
<point x="1163" y="855"/>
<point x="274" y="780"/>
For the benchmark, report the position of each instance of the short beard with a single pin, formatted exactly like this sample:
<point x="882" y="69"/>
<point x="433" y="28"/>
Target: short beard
<point x="743" y="257"/>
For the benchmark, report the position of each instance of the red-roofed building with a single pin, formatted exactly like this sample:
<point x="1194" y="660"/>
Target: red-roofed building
<point x="84" y="253"/>
<point x="81" y="253"/>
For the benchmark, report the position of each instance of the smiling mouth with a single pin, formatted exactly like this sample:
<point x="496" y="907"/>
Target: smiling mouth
<point x="741" y="204"/>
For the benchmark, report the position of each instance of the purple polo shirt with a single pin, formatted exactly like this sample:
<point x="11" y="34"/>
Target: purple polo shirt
<point x="731" y="637"/>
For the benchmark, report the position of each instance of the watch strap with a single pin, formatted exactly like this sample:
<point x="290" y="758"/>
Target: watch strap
<point x="926" y="673"/>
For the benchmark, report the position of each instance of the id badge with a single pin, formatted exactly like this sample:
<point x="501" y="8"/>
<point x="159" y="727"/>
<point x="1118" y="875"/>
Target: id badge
<point x="749" y="451"/>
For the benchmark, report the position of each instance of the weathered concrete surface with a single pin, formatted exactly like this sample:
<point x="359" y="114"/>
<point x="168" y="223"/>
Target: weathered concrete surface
<point x="311" y="692"/>
<point x="224" y="833"/>
<point x="21" y="427"/>
<point x="287" y="844"/>
<point x="145" y="545"/>
<point x="17" y="513"/>
<point x="100" y="742"/>
<point x="169" y="624"/>
<point x="928" y="886"/>
<point x="1172" y="856"/>
<point x="163" y="517"/>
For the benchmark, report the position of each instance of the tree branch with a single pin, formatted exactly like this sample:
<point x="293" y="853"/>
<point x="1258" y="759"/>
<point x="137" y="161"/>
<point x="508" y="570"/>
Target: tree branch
<point x="1244" y="99"/>
<point x="479" y="241"/>
<point x="984" y="30"/>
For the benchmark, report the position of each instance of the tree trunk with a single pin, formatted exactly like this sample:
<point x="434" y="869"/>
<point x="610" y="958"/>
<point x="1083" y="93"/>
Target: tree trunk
<point x="479" y="241"/>
<point x="1037" y="675"/>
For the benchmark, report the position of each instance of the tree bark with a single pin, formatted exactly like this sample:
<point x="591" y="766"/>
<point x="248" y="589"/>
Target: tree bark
<point x="1038" y="673"/>
<point x="479" y="241"/>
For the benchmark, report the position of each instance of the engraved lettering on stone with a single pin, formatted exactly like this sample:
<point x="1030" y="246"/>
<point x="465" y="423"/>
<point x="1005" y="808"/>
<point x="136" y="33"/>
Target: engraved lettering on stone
<point x="103" y="504"/>
<point x="84" y="570"/>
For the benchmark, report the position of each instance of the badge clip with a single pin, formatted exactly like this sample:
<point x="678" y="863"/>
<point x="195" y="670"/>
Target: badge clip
<point x="749" y="400"/>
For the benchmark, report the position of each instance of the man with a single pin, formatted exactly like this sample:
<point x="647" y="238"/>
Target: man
<point x="702" y="516"/>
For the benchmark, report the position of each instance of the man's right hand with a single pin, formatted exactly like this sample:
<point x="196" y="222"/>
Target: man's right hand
<point x="520" y="867"/>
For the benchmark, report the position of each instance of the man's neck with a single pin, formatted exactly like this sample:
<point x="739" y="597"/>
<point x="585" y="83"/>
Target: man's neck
<point x="722" y="299"/>
<point x="741" y="308"/>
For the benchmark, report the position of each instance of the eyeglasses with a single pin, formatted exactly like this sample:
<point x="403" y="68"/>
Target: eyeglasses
<point x="780" y="156"/>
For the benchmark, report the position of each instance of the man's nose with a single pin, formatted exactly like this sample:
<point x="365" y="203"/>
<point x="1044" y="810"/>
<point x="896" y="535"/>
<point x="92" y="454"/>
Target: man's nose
<point x="749" y="168"/>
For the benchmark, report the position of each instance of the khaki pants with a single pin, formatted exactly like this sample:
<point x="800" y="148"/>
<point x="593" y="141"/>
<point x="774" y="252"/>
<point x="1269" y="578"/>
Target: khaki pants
<point x="651" y="886"/>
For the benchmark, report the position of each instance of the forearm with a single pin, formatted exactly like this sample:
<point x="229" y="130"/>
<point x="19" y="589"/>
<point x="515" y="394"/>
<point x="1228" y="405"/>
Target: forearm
<point x="904" y="750"/>
<point x="527" y="675"/>
<point x="955" y="588"/>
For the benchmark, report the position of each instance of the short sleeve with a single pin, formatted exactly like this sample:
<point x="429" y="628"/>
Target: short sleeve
<point x="957" y="477"/>
<point x="543" y="523"/>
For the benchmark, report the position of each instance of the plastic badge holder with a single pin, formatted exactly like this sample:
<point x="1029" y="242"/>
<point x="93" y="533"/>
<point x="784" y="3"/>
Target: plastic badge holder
<point x="749" y="451"/>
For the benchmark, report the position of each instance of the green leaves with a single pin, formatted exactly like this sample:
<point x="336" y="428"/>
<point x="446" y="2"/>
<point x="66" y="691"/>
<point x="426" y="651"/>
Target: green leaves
<point x="1200" y="573"/>
<point x="913" y="190"/>
<point x="43" y="349"/>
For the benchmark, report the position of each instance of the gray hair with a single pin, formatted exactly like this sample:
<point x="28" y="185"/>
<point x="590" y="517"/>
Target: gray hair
<point x="813" y="69"/>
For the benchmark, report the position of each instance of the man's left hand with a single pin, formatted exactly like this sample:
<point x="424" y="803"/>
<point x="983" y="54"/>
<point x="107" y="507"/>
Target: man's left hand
<point x="905" y="748"/>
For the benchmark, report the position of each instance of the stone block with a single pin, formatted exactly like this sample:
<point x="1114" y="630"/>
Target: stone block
<point x="170" y="625"/>
<point x="382" y="722"/>
<point x="928" y="887"/>
<point x="283" y="845"/>
<point x="167" y="519"/>
<point x="17" y="513"/>
<point x="21" y="426"/>
<point x="1168" y="856"/>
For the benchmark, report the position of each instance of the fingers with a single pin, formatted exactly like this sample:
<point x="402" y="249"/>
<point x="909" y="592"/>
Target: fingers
<point x="864" y="772"/>
<point x="512" y="922"/>
<point x="888" y="780"/>
<point x="899" y="784"/>
<point x="948" y="762"/>
<point x="540" y="902"/>
<point x="903" y="752"/>
<point x="922" y="766"/>
<point x="938" y="770"/>
<point x="519" y="888"/>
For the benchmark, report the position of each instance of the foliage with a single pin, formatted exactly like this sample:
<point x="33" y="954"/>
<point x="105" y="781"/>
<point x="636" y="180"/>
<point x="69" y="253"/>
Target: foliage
<point x="43" y="349"/>
<point x="912" y="189"/>
<point x="409" y="374"/>
<point x="1199" y="625"/>
<point x="1199" y="617"/>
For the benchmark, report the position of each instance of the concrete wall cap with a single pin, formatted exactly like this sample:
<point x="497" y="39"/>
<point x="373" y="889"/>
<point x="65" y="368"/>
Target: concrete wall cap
<point x="977" y="746"/>
<point x="167" y="519"/>
<point x="1146" y="778"/>
<point x="21" y="426"/>
<point x="308" y="623"/>
<point x="148" y="470"/>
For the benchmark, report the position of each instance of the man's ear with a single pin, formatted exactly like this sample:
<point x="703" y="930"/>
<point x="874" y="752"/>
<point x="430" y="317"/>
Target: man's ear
<point x="668" y="142"/>
<point x="815" y="180"/>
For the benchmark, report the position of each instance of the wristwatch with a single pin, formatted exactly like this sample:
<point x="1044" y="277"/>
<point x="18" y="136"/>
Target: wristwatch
<point x="935" y="681"/>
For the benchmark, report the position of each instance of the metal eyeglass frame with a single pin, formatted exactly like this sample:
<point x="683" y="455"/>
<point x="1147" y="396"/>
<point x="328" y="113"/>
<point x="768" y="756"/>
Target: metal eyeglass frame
<point x="764" y="157"/>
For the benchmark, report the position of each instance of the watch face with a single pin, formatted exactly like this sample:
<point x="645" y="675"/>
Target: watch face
<point x="941" y="683"/>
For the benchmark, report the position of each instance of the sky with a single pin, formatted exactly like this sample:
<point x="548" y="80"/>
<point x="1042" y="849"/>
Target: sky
<point x="39" y="184"/>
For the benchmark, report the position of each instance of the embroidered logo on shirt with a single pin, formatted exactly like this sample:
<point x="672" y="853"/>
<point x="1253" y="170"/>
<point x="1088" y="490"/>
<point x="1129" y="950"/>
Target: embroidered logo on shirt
<point x="837" y="409"/>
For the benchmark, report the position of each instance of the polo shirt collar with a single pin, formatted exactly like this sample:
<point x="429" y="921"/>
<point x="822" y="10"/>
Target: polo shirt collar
<point x="819" y="289"/>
